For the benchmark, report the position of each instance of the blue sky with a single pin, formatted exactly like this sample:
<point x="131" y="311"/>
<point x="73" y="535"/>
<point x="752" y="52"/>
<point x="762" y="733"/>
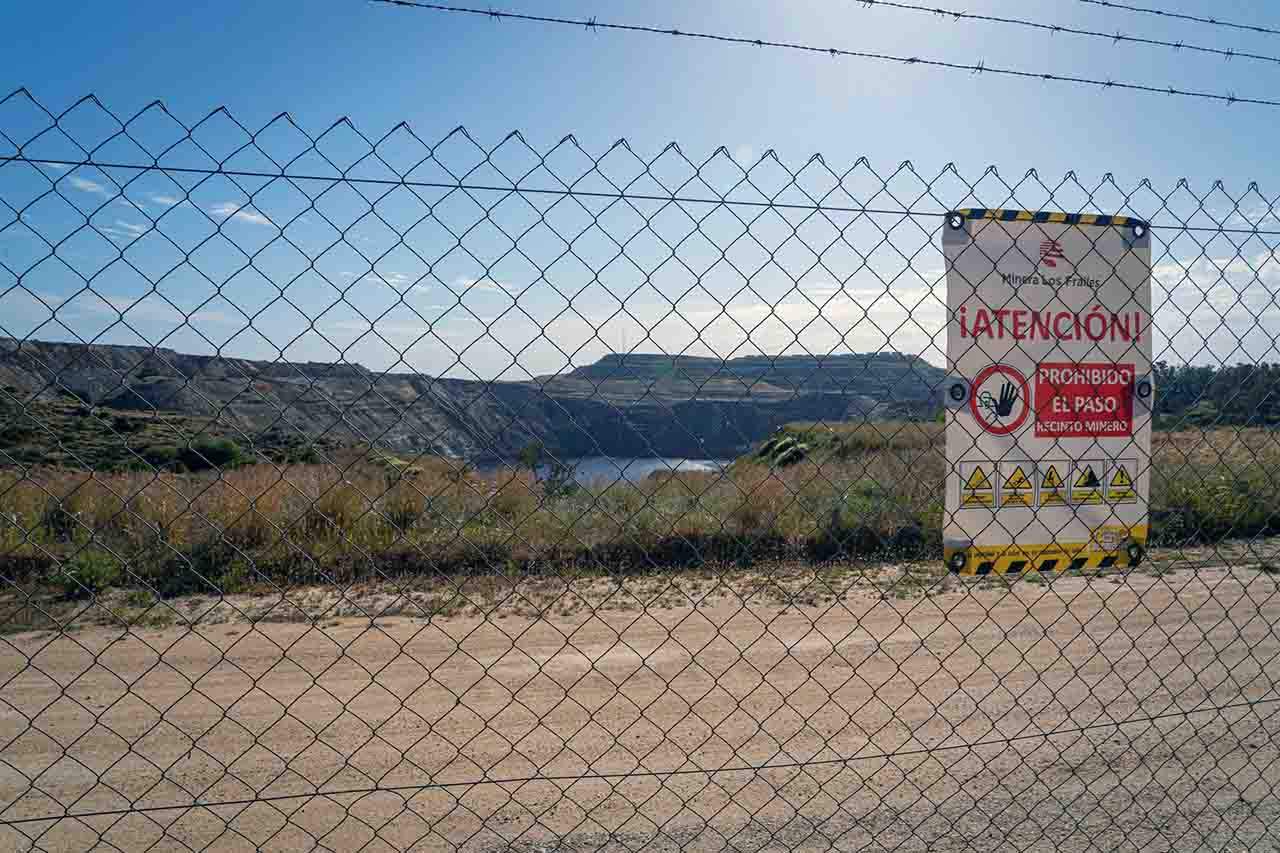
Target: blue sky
<point x="381" y="65"/>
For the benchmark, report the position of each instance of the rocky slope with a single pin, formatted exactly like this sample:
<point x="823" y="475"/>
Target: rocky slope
<point x="623" y="405"/>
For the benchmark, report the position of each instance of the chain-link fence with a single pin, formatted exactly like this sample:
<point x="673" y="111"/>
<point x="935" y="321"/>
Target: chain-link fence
<point x="380" y="492"/>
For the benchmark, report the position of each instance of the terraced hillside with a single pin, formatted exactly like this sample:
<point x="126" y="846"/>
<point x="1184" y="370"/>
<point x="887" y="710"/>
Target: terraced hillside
<point x="632" y="405"/>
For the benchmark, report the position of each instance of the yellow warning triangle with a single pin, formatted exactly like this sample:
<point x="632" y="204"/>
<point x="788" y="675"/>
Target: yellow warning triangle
<point x="977" y="481"/>
<point x="1052" y="479"/>
<point x="1087" y="479"/>
<point x="1121" y="478"/>
<point x="1017" y="480"/>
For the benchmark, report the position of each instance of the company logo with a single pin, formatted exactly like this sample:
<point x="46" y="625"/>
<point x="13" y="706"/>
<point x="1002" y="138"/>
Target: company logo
<point x="1051" y="253"/>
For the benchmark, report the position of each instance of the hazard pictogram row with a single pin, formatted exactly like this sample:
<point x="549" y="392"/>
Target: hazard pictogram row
<point x="986" y="484"/>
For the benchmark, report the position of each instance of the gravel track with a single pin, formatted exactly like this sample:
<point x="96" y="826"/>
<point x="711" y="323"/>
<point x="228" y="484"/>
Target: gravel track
<point x="1136" y="712"/>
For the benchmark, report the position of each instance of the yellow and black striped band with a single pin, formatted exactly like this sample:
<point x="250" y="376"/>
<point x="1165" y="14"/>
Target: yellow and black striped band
<point x="1004" y="215"/>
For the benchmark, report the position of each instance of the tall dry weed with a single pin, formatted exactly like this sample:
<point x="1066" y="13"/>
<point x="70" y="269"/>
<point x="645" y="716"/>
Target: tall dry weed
<point x="403" y="504"/>
<point x="515" y="495"/>
<point x="341" y="510"/>
<point x="761" y="496"/>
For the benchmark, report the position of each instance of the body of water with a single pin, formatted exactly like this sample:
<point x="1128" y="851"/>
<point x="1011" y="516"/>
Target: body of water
<point x="594" y="469"/>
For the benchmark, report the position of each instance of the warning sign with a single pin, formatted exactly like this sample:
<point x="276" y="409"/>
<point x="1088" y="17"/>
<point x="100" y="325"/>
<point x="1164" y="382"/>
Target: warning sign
<point x="977" y="488"/>
<point x="1049" y="392"/>
<point x="1086" y="483"/>
<point x="1120" y="487"/>
<point x="1053" y="486"/>
<point x="1016" y="487"/>
<point x="1090" y="399"/>
<point x="1000" y="400"/>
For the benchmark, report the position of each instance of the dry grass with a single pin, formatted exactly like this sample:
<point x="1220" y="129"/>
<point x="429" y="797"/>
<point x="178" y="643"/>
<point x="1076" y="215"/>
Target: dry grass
<point x="864" y="492"/>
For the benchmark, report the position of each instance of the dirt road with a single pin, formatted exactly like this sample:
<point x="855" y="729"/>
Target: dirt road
<point x="1140" y="712"/>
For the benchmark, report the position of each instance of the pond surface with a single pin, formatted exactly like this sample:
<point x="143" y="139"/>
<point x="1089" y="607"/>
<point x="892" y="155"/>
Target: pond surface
<point x="596" y="469"/>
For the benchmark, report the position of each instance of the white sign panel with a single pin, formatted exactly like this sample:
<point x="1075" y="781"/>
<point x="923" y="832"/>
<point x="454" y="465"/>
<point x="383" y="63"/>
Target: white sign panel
<point x="1049" y="393"/>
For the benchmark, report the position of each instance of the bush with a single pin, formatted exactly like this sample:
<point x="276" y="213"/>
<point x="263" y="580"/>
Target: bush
<point x="199" y="572"/>
<point x="301" y="454"/>
<point x="125" y="424"/>
<point x="87" y="574"/>
<point x="16" y="433"/>
<point x="559" y="481"/>
<point x="782" y="451"/>
<point x="160" y="455"/>
<point x="60" y="520"/>
<point x="530" y="456"/>
<point x="1211" y="503"/>
<point x="205" y="453"/>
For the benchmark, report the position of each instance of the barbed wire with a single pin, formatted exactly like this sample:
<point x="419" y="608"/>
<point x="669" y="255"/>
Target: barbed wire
<point x="979" y="67"/>
<point x="1215" y="22"/>
<point x="1116" y="37"/>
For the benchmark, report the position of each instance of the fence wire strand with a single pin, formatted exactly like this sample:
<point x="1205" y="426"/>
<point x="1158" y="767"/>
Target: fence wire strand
<point x="1115" y="36"/>
<point x="379" y="492"/>
<point x="979" y="66"/>
<point x="1197" y="19"/>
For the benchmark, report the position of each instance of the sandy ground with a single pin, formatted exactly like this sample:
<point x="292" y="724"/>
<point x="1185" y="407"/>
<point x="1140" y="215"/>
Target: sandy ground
<point x="1135" y="712"/>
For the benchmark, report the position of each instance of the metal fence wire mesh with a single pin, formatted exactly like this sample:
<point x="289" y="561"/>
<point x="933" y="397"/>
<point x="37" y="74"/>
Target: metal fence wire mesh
<point x="379" y="492"/>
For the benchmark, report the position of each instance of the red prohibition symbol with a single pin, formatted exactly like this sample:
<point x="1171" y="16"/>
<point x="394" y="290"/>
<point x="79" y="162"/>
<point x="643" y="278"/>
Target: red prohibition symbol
<point x="1000" y="399"/>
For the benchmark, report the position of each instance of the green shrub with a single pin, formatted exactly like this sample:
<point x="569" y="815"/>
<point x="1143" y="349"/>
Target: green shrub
<point x="87" y="574"/>
<point x="198" y="572"/>
<point x="783" y="450"/>
<point x="60" y="520"/>
<point x="205" y="453"/>
<point x="160" y="455"/>
<point x="16" y="433"/>
<point x="124" y="424"/>
<point x="530" y="456"/>
<point x="302" y="454"/>
<point x="791" y="454"/>
<point x="140" y="599"/>
<point x="559" y="481"/>
<point x="1211" y="503"/>
<point x="766" y="450"/>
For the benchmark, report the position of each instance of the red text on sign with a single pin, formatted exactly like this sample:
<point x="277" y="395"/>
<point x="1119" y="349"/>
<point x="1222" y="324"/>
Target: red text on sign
<point x="1083" y="400"/>
<point x="1023" y="324"/>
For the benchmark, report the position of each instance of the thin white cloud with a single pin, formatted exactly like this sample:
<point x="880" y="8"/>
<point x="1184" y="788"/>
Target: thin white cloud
<point x="244" y="213"/>
<point x="132" y="227"/>
<point x="464" y="283"/>
<point x="166" y="200"/>
<point x="386" y="329"/>
<point x="150" y="307"/>
<point x="117" y="234"/>
<point x="87" y="186"/>
<point x="395" y="279"/>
